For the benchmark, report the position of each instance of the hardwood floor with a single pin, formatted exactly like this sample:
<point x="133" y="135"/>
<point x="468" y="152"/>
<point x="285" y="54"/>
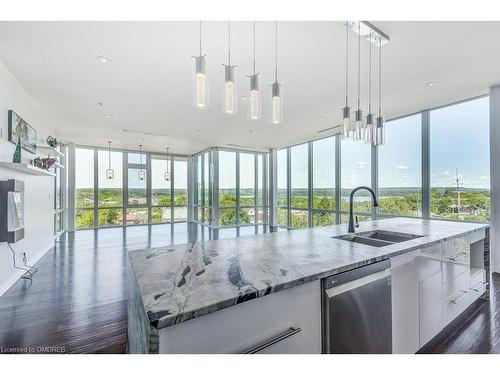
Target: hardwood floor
<point x="76" y="302"/>
<point x="77" y="299"/>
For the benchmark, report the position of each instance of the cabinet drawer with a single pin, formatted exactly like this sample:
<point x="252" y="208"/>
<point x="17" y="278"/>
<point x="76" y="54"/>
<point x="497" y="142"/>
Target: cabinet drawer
<point x="477" y="285"/>
<point x="456" y="258"/>
<point x="284" y="322"/>
<point x="456" y="294"/>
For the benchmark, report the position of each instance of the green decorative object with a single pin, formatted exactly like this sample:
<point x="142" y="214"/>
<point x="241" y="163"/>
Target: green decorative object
<point x="17" y="153"/>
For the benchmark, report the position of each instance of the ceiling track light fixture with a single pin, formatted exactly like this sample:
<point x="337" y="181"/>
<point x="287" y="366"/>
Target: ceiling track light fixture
<point x="277" y="100"/>
<point x="110" y="173"/>
<point x="369" y="129"/>
<point x="254" y="102"/>
<point x="142" y="174"/>
<point x="200" y="82"/>
<point x="358" y="124"/>
<point x="346" y="111"/>
<point x="230" y="93"/>
<point x="167" y="173"/>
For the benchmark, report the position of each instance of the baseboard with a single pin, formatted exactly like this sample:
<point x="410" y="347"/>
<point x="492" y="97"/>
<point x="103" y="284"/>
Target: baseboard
<point x="16" y="275"/>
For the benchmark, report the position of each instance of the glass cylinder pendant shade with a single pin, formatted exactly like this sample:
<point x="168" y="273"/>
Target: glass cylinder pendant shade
<point x="200" y="83"/>
<point x="167" y="176"/>
<point x="369" y="131"/>
<point x="230" y="93"/>
<point x="380" y="132"/>
<point x="141" y="175"/>
<point x="254" y="99"/>
<point x="277" y="104"/>
<point x="346" y="123"/>
<point x="110" y="174"/>
<point x="358" y="126"/>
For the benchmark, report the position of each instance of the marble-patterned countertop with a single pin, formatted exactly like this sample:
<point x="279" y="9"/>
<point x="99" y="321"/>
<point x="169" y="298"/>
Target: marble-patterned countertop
<point x="181" y="282"/>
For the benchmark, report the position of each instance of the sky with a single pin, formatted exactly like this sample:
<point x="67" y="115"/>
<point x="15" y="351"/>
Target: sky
<point x="459" y="139"/>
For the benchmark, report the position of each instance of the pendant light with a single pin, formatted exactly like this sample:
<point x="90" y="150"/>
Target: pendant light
<point x="200" y="83"/>
<point x="369" y="131"/>
<point x="142" y="174"/>
<point x="167" y="173"/>
<point x="230" y="93"/>
<point x="110" y="174"/>
<point x="254" y="99"/>
<point x="346" y="111"/>
<point x="358" y="124"/>
<point x="277" y="102"/>
<point x="380" y="132"/>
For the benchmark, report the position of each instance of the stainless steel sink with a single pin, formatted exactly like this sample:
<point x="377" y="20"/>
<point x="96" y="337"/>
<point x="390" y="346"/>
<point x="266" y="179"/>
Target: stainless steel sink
<point x="378" y="238"/>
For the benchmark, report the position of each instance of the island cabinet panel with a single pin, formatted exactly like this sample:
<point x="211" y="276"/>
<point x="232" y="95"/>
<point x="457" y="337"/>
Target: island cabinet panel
<point x="430" y="307"/>
<point x="285" y="322"/>
<point x="405" y="324"/>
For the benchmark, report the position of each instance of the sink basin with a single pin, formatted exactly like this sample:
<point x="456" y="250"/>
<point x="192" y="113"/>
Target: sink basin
<point x="378" y="238"/>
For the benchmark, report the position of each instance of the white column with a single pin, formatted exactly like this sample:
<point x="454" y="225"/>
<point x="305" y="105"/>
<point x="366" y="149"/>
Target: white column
<point x="495" y="178"/>
<point x="70" y="168"/>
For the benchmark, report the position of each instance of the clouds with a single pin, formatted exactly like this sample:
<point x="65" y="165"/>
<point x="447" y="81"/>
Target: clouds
<point x="402" y="168"/>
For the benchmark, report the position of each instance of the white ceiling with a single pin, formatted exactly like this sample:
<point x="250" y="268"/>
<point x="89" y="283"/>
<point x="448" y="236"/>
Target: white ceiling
<point x="146" y="84"/>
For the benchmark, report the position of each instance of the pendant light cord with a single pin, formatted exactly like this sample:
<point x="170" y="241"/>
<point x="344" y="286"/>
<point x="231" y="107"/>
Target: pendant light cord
<point x="168" y="162"/>
<point x="253" y="47"/>
<point x="276" y="51"/>
<point x="370" y="77"/>
<point x="347" y="63"/>
<point x="109" y="154"/>
<point x="359" y="64"/>
<point x="200" y="38"/>
<point x="380" y="78"/>
<point x="229" y="43"/>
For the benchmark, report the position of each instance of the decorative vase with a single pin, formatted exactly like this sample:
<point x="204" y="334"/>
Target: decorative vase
<point x="17" y="153"/>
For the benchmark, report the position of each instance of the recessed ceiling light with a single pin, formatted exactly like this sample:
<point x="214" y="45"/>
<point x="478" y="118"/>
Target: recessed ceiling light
<point x="243" y="98"/>
<point x="102" y="60"/>
<point x="320" y="118"/>
<point x="99" y="104"/>
<point x="107" y="116"/>
<point x="431" y="84"/>
<point x="197" y="130"/>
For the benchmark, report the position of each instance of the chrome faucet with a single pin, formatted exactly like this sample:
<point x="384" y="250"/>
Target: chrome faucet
<point x="351" y="198"/>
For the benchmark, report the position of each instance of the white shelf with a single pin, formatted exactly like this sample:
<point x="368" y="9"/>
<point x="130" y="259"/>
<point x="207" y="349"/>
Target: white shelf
<point x="27" y="168"/>
<point x="57" y="165"/>
<point x="50" y="149"/>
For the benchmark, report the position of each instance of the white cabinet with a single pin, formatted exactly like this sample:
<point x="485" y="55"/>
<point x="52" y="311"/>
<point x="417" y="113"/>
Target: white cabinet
<point x="405" y="321"/>
<point x="430" y="307"/>
<point x="246" y="326"/>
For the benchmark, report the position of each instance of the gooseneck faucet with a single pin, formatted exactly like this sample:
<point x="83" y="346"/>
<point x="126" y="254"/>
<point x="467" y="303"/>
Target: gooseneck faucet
<point x="351" y="198"/>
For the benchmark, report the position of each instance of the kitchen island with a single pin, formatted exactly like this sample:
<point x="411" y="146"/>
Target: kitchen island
<point x="227" y="296"/>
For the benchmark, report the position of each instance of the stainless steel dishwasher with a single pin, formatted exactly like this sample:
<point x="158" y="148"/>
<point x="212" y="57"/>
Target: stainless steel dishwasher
<point x="357" y="311"/>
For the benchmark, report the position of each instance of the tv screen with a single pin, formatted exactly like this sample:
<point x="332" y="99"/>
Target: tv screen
<point x="15" y="211"/>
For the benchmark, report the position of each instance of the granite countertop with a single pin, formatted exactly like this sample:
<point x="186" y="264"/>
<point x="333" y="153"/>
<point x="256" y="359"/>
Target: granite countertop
<point x="180" y="282"/>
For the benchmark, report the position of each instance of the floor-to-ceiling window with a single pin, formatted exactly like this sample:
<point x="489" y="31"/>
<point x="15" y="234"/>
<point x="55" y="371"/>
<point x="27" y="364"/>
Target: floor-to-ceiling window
<point x="109" y="191"/>
<point x="400" y="168"/>
<point x="84" y="188"/>
<point x="282" y="188"/>
<point x="161" y="200"/>
<point x="355" y="170"/>
<point x="180" y="173"/>
<point x="299" y="177"/>
<point x="140" y="192"/>
<point x="323" y="182"/>
<point x="459" y="161"/>
<point x="227" y="188"/>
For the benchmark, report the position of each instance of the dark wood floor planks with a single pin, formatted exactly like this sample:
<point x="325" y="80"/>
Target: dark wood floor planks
<point x="77" y="300"/>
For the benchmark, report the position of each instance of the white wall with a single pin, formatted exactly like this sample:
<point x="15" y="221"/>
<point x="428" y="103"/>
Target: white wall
<point x="495" y="177"/>
<point x="39" y="190"/>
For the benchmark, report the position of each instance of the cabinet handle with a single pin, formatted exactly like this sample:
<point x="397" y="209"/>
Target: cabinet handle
<point x="475" y="289"/>
<point x="454" y="259"/>
<point x="288" y="333"/>
<point x="457" y="300"/>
